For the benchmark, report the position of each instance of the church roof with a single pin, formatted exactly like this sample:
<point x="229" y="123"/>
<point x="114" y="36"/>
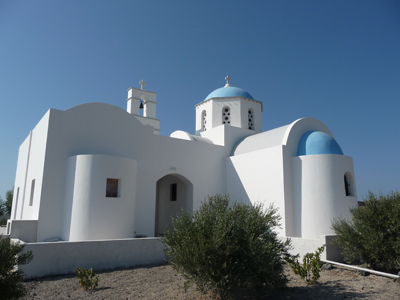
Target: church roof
<point x="317" y="142"/>
<point x="229" y="91"/>
<point x="266" y="139"/>
<point x="306" y="136"/>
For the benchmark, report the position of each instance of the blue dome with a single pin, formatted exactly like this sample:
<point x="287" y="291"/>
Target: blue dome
<point x="317" y="142"/>
<point x="229" y="91"/>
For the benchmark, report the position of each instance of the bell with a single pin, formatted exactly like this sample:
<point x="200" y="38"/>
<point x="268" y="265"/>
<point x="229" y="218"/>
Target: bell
<point x="141" y="105"/>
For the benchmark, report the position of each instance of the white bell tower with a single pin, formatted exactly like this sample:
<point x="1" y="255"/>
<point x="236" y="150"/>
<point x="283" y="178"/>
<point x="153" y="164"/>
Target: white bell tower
<point x="229" y="106"/>
<point x="141" y="99"/>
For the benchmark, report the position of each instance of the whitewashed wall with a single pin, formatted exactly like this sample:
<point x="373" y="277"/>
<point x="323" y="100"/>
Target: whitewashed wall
<point x="320" y="191"/>
<point x="257" y="177"/>
<point x="102" y="129"/>
<point x="65" y="257"/>
<point x="238" y="112"/>
<point x="31" y="160"/>
<point x="88" y="213"/>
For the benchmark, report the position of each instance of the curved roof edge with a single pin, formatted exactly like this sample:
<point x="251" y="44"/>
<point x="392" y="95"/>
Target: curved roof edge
<point x="297" y="128"/>
<point x="288" y="135"/>
<point x="263" y="140"/>
<point x="94" y="105"/>
<point x="183" y="135"/>
<point x="103" y="110"/>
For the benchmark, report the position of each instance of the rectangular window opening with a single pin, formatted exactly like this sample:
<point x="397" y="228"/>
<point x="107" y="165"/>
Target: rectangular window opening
<point x="32" y="192"/>
<point x="112" y="188"/>
<point x="173" y="191"/>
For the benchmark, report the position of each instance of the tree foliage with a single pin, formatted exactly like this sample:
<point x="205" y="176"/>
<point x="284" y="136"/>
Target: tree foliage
<point x="2" y="207"/>
<point x="10" y="279"/>
<point x="5" y="205"/>
<point x="373" y="235"/>
<point x="226" y="248"/>
<point x="8" y="202"/>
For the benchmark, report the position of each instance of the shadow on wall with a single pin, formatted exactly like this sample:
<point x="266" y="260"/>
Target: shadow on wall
<point x="234" y="186"/>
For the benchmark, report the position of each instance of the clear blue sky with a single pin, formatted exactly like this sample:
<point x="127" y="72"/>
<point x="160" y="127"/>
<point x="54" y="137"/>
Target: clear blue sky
<point x="337" y="61"/>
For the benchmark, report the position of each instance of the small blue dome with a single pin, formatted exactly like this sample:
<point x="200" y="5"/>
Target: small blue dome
<point x="317" y="142"/>
<point x="229" y="91"/>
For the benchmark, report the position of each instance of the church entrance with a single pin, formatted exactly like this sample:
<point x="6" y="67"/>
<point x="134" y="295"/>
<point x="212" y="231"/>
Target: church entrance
<point x="174" y="193"/>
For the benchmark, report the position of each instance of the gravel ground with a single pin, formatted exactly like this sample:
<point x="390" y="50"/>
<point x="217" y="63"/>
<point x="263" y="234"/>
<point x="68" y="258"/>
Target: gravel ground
<point x="162" y="282"/>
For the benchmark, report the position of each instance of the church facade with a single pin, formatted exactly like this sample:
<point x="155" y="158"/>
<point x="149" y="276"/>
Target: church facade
<point x="97" y="172"/>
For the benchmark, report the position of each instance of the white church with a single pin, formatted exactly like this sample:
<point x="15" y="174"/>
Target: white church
<point x="98" y="172"/>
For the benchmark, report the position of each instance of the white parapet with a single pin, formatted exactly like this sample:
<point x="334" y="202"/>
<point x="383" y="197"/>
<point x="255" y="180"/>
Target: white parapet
<point x="64" y="257"/>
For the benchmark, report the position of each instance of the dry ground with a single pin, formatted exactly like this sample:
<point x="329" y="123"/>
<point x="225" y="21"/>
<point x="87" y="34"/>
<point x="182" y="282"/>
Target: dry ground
<point x="162" y="282"/>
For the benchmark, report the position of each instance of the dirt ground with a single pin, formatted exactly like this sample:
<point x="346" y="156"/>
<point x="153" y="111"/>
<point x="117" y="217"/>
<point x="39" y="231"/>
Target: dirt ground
<point x="162" y="282"/>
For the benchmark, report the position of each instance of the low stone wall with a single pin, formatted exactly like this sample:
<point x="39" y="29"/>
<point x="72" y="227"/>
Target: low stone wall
<point x="303" y="246"/>
<point x="64" y="257"/>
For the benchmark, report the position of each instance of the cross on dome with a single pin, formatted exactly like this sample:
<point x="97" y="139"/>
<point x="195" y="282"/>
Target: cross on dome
<point x="142" y="83"/>
<point x="227" y="80"/>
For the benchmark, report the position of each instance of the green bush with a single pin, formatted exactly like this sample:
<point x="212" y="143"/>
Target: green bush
<point x="10" y="279"/>
<point x="87" y="278"/>
<point x="227" y="248"/>
<point x="311" y="265"/>
<point x="373" y="235"/>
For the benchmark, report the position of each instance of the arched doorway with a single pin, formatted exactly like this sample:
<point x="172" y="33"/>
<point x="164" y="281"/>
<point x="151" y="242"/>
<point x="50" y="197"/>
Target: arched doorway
<point x="174" y="193"/>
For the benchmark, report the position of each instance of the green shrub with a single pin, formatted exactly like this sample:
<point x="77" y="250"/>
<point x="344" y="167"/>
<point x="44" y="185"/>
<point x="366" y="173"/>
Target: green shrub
<point x="87" y="278"/>
<point x="373" y="235"/>
<point x="10" y="279"/>
<point x="311" y="265"/>
<point x="227" y="248"/>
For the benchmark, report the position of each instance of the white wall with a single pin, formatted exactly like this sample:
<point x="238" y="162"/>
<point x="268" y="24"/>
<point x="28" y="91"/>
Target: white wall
<point x="238" y="112"/>
<point x="200" y="163"/>
<point x="86" y="129"/>
<point x="303" y="246"/>
<point x="65" y="257"/>
<point x="257" y="177"/>
<point x="319" y="191"/>
<point x="89" y="214"/>
<point x="256" y="107"/>
<point x="19" y="184"/>
<point x="102" y="129"/>
<point x="31" y="159"/>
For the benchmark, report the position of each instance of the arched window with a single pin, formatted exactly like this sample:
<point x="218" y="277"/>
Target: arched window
<point x="203" y="121"/>
<point x="226" y="115"/>
<point x="250" y="116"/>
<point x="349" y="184"/>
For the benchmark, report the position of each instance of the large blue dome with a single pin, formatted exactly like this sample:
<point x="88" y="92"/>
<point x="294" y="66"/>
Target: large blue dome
<point x="317" y="142"/>
<point x="229" y="91"/>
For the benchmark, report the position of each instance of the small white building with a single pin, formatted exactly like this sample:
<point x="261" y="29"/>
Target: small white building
<point x="97" y="172"/>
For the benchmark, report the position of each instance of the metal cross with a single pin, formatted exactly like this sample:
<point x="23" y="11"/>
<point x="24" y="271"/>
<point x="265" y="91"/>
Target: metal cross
<point x="227" y="80"/>
<point x="142" y="83"/>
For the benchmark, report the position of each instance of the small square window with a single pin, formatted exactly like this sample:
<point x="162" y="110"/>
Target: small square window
<point x="112" y="188"/>
<point x="173" y="191"/>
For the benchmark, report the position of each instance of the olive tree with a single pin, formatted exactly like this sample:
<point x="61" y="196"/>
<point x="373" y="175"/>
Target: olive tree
<point x="373" y="234"/>
<point x="227" y="247"/>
